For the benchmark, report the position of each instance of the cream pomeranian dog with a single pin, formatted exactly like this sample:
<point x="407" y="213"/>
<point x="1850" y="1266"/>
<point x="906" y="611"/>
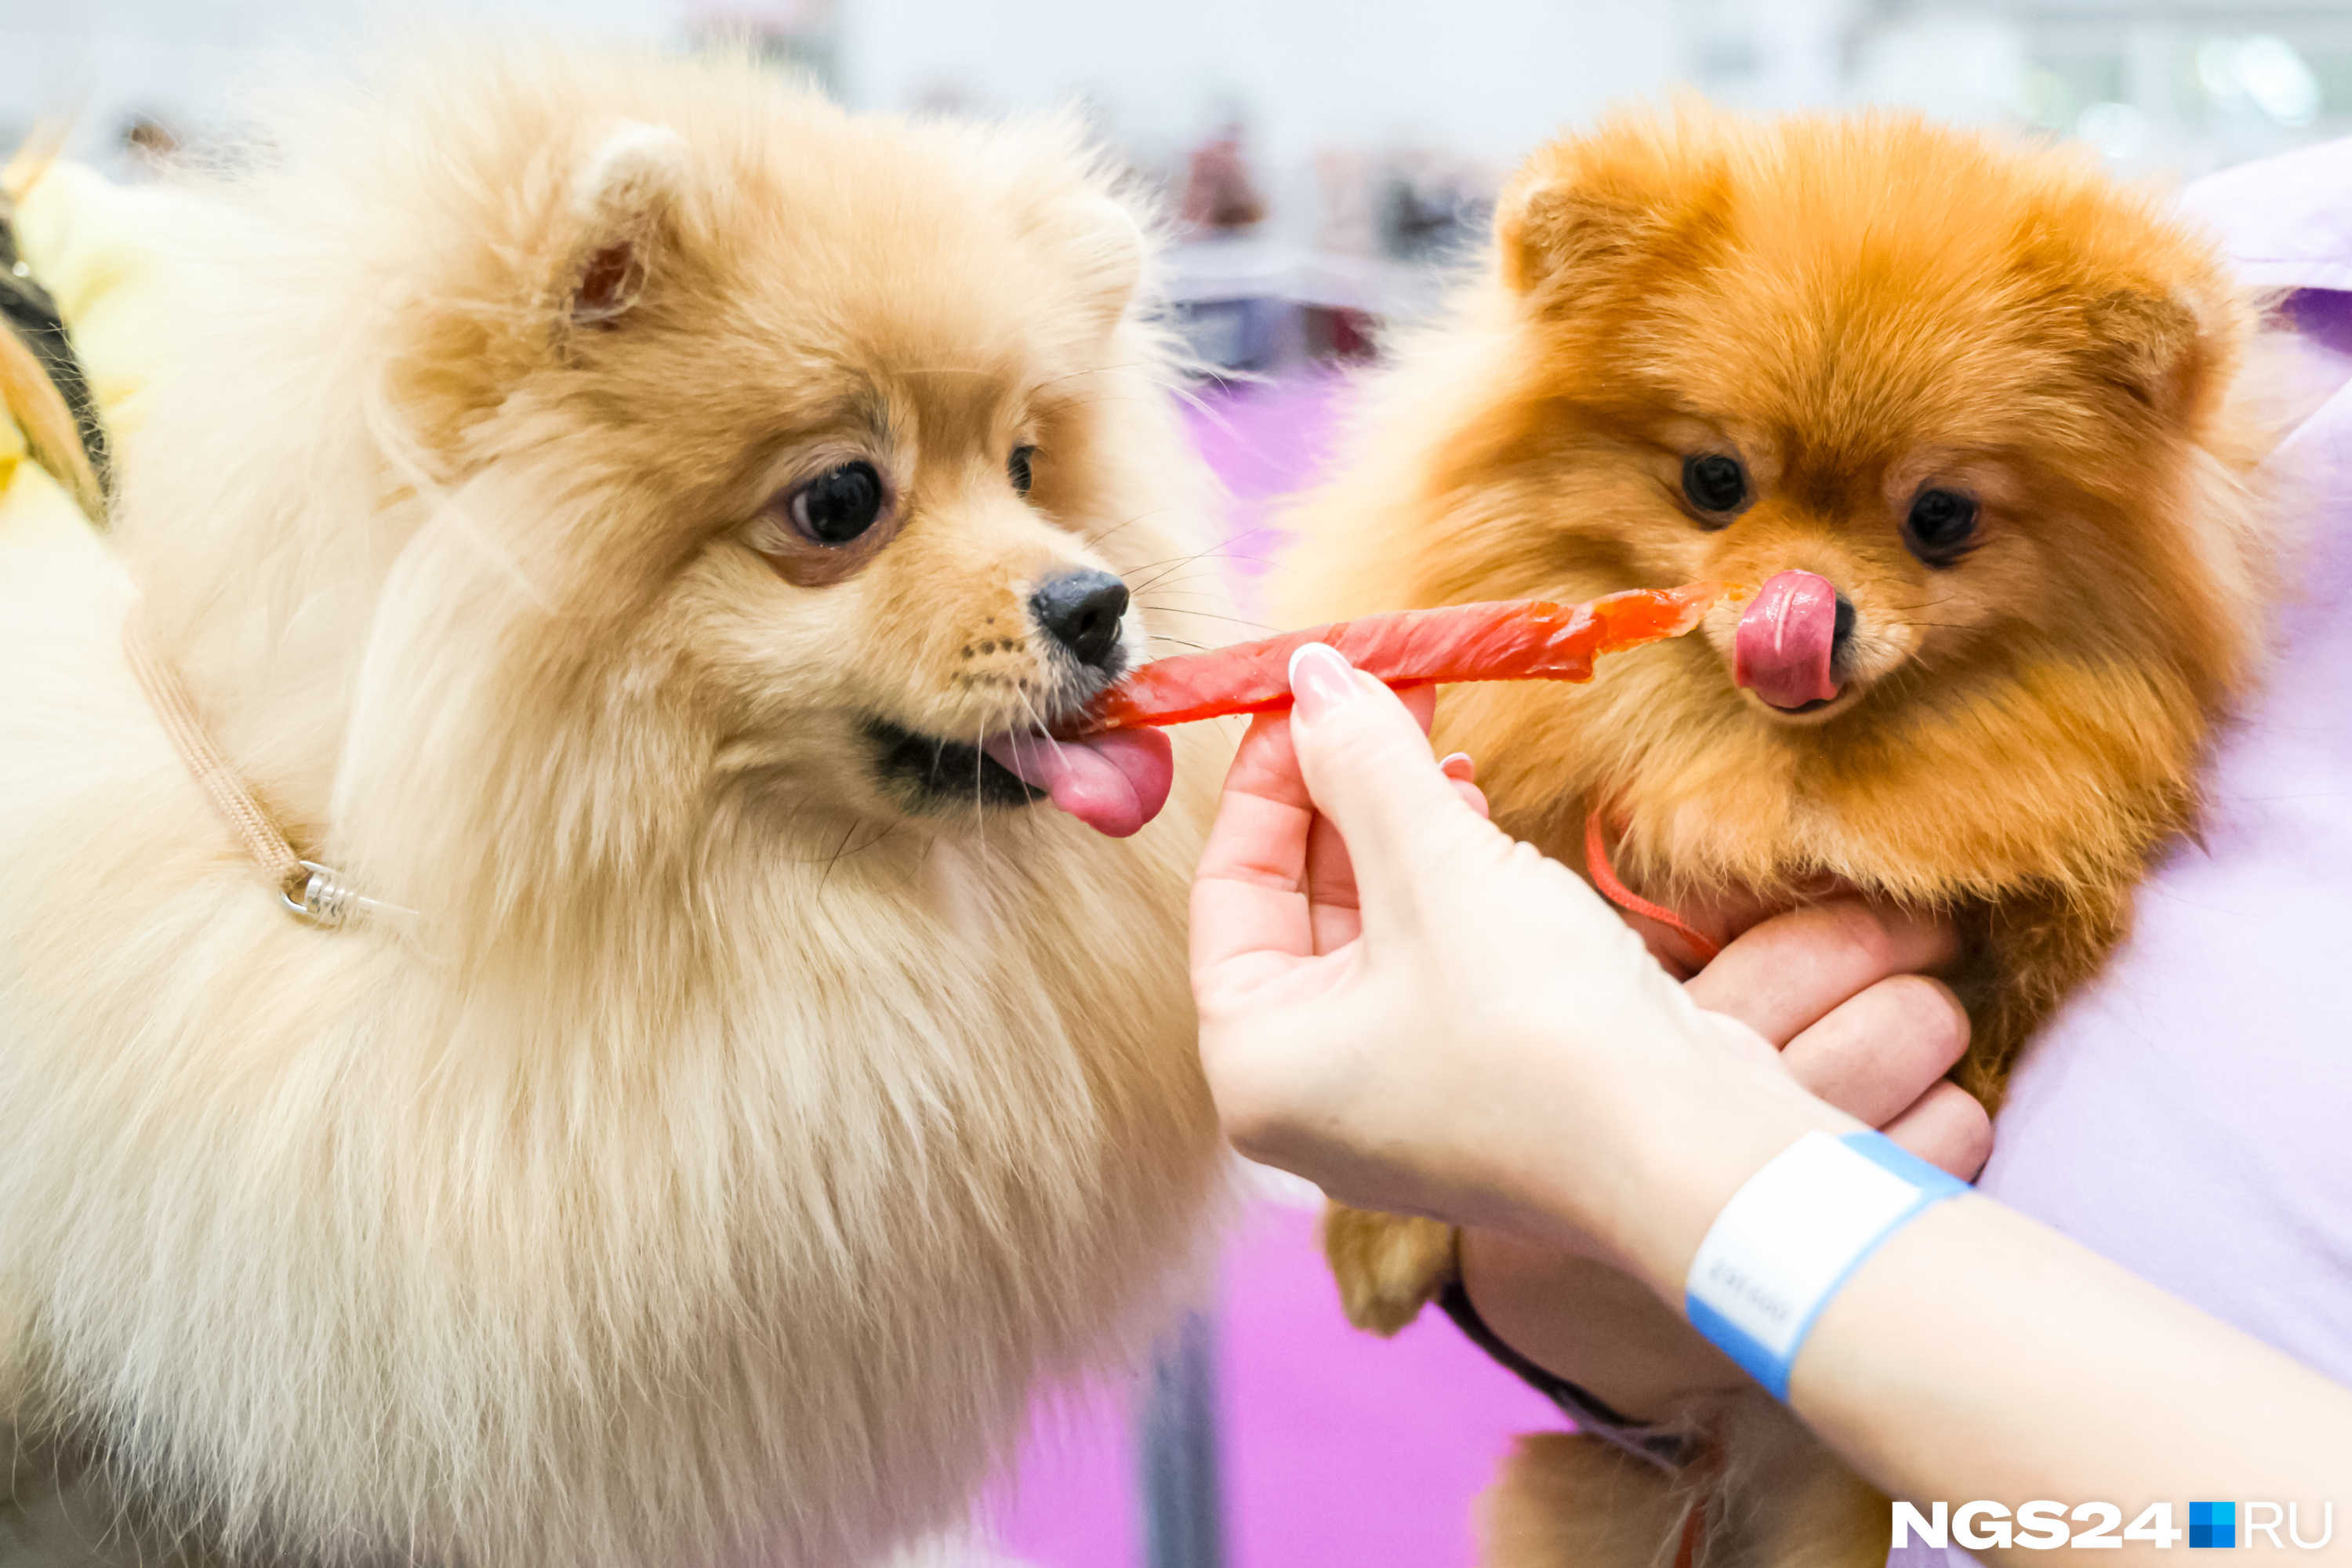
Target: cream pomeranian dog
<point x="633" y="519"/>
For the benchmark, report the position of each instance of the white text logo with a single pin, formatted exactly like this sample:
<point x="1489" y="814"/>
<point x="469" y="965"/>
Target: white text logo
<point x="2043" y="1525"/>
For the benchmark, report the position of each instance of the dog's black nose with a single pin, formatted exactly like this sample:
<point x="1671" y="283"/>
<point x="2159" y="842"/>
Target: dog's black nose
<point x="1844" y="633"/>
<point x="1081" y="611"/>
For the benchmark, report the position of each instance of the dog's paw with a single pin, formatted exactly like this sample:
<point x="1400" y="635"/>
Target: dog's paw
<point x="1388" y="1267"/>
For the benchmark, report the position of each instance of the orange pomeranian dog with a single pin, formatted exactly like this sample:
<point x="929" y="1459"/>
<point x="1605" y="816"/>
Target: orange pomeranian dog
<point x="1970" y="416"/>
<point x="633" y="520"/>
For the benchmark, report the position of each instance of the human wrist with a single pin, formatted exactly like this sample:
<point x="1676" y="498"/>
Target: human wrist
<point x="1669" y="1138"/>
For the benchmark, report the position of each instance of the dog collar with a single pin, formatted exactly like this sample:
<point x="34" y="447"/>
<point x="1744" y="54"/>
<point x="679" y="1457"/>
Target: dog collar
<point x="1596" y="864"/>
<point x="315" y="893"/>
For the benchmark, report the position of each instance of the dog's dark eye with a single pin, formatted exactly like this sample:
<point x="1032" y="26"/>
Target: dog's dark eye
<point x="1940" y="525"/>
<point x="1714" y="483"/>
<point x="1017" y="468"/>
<point x="838" y="506"/>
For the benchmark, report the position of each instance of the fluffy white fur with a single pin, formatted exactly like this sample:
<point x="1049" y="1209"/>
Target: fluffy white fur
<point x="733" y="1149"/>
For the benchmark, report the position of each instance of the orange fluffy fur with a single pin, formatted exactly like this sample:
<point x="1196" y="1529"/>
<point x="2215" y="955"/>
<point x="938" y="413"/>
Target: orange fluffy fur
<point x="1855" y="308"/>
<point x="741" y="1137"/>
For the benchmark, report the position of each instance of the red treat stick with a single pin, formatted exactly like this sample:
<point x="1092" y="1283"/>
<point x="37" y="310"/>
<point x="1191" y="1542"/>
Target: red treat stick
<point x="1509" y="639"/>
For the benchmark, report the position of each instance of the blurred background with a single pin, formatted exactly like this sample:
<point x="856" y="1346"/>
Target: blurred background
<point x="1325" y="156"/>
<point x="1321" y="162"/>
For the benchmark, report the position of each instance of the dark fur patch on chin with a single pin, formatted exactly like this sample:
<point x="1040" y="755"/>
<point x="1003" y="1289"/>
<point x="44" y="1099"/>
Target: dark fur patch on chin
<point x="924" y="774"/>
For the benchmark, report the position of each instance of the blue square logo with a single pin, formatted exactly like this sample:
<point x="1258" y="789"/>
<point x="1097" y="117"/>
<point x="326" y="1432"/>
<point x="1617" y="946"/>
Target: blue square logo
<point x="2212" y="1524"/>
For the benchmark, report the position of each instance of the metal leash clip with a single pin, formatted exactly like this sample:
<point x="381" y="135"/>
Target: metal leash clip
<point x="330" y="902"/>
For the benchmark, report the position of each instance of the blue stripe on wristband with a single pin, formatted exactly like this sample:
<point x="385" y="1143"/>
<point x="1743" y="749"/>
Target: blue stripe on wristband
<point x="1791" y="1237"/>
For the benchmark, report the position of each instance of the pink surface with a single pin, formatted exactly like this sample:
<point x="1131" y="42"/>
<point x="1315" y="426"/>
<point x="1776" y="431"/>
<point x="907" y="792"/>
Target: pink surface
<point x="1340" y="1447"/>
<point x="1337" y="1447"/>
<point x="1075" y="1502"/>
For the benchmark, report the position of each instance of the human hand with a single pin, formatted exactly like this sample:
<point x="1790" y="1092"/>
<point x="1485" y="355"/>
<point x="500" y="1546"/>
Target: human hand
<point x="1840" y="988"/>
<point x="1843" y="986"/>
<point x="1401" y="1004"/>
<point x="1844" y="989"/>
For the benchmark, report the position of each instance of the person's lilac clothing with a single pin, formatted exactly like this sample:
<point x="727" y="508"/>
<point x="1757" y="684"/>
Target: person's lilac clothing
<point x="2186" y="1115"/>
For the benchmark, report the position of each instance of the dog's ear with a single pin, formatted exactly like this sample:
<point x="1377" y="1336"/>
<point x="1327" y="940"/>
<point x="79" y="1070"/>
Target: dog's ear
<point x="1638" y="195"/>
<point x="619" y="197"/>
<point x="1543" y="229"/>
<point x="2155" y="348"/>
<point x="1100" y="240"/>
<point x="1112" y="256"/>
<point x="2142" y="308"/>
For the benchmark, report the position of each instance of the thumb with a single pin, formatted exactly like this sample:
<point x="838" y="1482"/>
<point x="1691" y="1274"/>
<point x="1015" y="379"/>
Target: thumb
<point x="1368" y="769"/>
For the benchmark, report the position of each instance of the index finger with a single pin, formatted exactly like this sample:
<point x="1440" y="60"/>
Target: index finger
<point x="1330" y="875"/>
<point x="1249" y="895"/>
<point x="1783" y="976"/>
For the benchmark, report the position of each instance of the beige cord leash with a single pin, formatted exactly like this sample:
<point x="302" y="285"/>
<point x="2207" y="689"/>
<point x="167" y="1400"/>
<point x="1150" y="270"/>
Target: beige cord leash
<point x="315" y="892"/>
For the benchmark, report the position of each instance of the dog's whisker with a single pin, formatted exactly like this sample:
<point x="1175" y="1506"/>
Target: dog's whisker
<point x="1042" y="728"/>
<point x="1090" y="401"/>
<point x="1126" y="365"/>
<point x="1213" y="616"/>
<point x="1169" y="600"/>
<point x="1216" y="548"/>
<point x="842" y="852"/>
<point x="980" y="802"/>
<point x="1221" y="549"/>
<point x="847" y="834"/>
<point x="1095" y="539"/>
<point x="1182" y="583"/>
<point x="1209" y="591"/>
<point x="1192" y="559"/>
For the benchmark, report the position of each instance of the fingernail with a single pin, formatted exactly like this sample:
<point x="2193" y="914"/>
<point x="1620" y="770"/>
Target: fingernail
<point x="1319" y="678"/>
<point x="1458" y="765"/>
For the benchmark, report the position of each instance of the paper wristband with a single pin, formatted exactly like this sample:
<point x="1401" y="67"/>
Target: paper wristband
<point x="1788" y="1239"/>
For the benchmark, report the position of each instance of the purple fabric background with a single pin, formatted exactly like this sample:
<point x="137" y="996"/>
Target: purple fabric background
<point x="2186" y="1115"/>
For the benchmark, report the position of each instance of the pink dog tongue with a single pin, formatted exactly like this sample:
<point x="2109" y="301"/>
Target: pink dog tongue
<point x="1114" y="782"/>
<point x="1782" y="650"/>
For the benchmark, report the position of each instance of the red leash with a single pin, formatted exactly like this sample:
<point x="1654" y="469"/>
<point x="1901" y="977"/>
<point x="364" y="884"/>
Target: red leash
<point x="1694" y="1534"/>
<point x="1596" y="864"/>
<point x="1706" y="1473"/>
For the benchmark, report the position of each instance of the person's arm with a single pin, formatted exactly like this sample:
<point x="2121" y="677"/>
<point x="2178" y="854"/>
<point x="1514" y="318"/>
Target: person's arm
<point x="1841" y="989"/>
<point x="1977" y="1354"/>
<point x="1405" y="1006"/>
